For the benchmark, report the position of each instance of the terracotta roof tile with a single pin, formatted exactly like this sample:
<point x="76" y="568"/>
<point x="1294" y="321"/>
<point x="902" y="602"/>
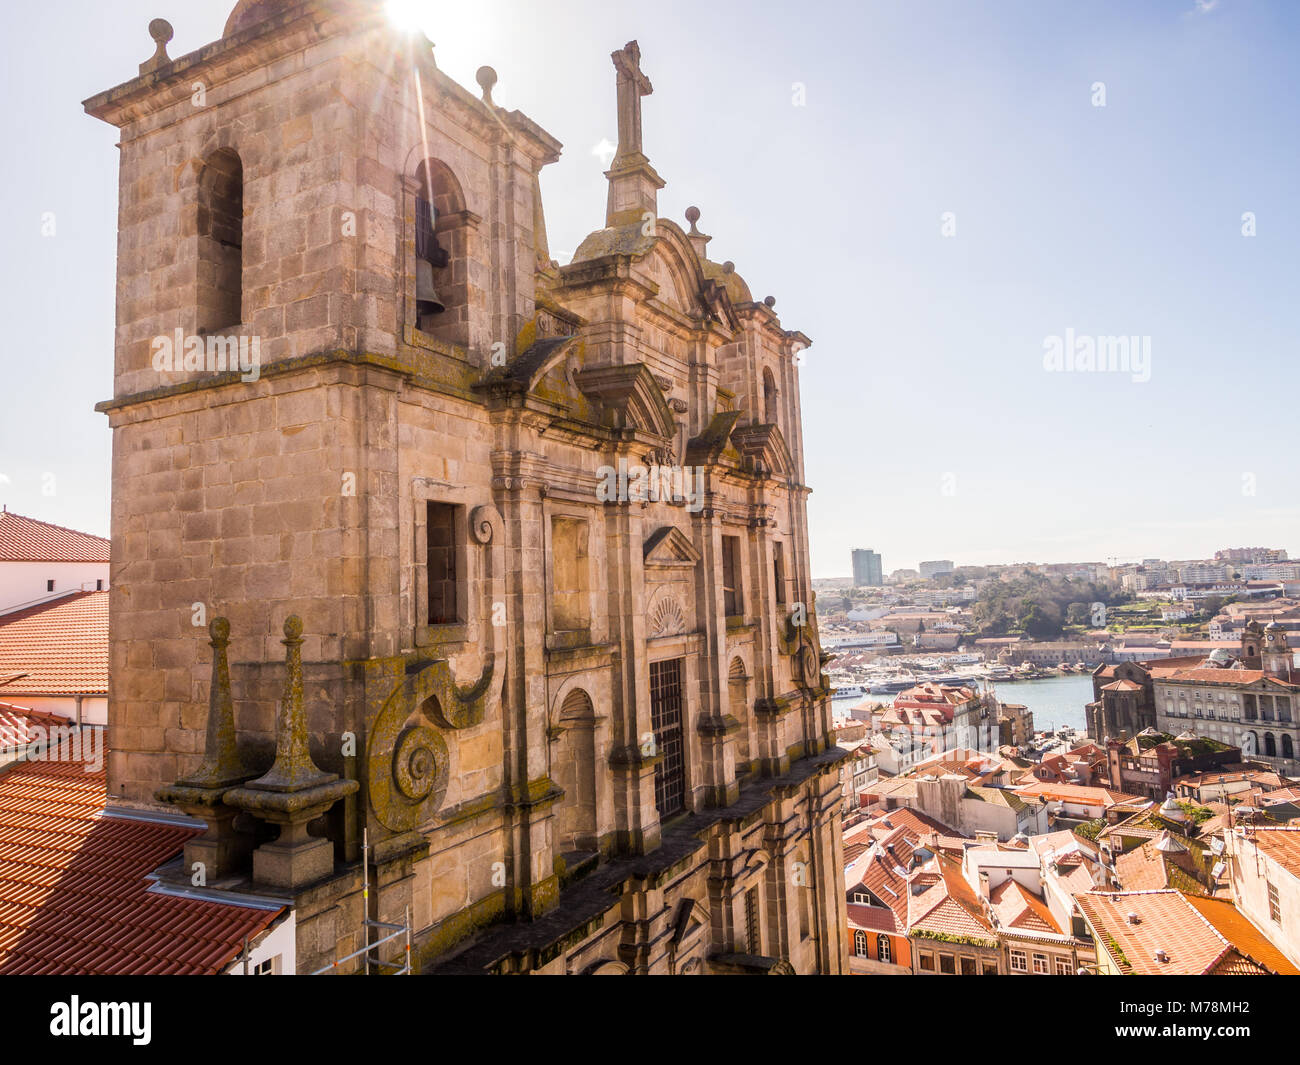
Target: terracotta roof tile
<point x="28" y="540"/>
<point x="1166" y="921"/>
<point x="20" y="727"/>
<point x="1064" y="792"/>
<point x="1249" y="941"/>
<point x="1280" y="844"/>
<point x="74" y="887"/>
<point x="873" y="918"/>
<point x="950" y="906"/>
<point x="62" y="646"/>
<point x="1016" y="907"/>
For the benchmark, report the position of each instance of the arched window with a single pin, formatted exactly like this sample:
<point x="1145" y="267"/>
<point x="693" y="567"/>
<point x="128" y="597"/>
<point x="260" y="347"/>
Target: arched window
<point x="769" y="398"/>
<point x="882" y="949"/>
<point x="573" y="768"/>
<point x="221" y="243"/>
<point x="860" y="943"/>
<point x="439" y="284"/>
<point x="1288" y="748"/>
<point x="1270" y="745"/>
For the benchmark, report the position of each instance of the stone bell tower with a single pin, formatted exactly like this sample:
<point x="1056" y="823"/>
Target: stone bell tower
<point x="282" y="191"/>
<point x="1277" y="658"/>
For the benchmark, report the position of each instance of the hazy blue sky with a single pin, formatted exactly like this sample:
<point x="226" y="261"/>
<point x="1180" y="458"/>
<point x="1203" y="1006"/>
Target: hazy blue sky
<point x="932" y="428"/>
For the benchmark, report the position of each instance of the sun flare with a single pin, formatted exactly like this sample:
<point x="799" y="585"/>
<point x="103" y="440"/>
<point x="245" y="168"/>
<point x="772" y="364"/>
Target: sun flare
<point x="408" y="15"/>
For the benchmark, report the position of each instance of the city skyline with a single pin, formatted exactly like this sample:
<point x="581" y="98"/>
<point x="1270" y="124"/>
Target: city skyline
<point x="928" y="349"/>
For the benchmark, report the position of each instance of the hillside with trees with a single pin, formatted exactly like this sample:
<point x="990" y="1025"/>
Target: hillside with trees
<point x="1039" y="606"/>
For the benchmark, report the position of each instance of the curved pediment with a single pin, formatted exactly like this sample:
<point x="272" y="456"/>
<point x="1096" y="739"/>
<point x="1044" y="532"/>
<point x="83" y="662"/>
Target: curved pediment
<point x="629" y="398"/>
<point x="676" y="270"/>
<point x="763" y="447"/>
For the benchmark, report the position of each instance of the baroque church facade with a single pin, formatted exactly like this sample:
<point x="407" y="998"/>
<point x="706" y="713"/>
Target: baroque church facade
<point x="451" y="586"/>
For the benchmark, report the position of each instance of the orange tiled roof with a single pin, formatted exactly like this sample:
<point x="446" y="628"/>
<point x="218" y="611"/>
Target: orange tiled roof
<point x="1166" y="921"/>
<point x="1236" y="927"/>
<point x="1280" y="844"/>
<point x="1233" y="677"/>
<point x="28" y="540"/>
<point x="1076" y="793"/>
<point x="872" y="918"/>
<point x="883" y="869"/>
<point x="17" y="724"/>
<point x="917" y="823"/>
<point x="74" y="893"/>
<point x="62" y="646"/>
<point x="950" y="906"/>
<point x="1018" y="908"/>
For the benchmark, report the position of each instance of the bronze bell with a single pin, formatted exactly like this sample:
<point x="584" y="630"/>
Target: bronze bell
<point x="426" y="296"/>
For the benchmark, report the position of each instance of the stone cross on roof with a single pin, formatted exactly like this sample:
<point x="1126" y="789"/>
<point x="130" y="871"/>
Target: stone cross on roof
<point x="632" y="85"/>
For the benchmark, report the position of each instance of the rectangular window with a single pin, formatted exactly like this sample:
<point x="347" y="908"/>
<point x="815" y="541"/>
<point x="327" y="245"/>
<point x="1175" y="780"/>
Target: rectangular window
<point x="99" y="585"/>
<point x="1274" y="904"/>
<point x="49" y="586"/>
<point x="1040" y="964"/>
<point x="947" y="964"/>
<point x="968" y="967"/>
<point x="440" y="564"/>
<point x="731" y="598"/>
<point x="666" y="720"/>
<point x="1019" y="962"/>
<point x="926" y="962"/>
<point x="990" y="968"/>
<point x="570" y="576"/>
<point x="753" y="940"/>
<point x="778" y="571"/>
<point x="1063" y="967"/>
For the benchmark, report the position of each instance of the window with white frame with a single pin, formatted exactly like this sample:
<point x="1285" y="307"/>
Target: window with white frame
<point x="1019" y="961"/>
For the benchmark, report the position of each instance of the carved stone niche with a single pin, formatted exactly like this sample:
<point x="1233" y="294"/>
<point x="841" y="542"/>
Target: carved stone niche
<point x="670" y="559"/>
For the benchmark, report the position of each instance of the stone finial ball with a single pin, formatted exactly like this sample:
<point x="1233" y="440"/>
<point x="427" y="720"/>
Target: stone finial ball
<point x="219" y="629"/>
<point x="161" y="30"/>
<point x="486" y="78"/>
<point x="692" y="215"/>
<point x="293" y="626"/>
<point x="728" y="267"/>
<point x="769" y="301"/>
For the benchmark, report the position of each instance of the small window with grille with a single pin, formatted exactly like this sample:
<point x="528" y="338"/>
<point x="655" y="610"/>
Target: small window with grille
<point x="753" y="939"/>
<point x="666" y="720"/>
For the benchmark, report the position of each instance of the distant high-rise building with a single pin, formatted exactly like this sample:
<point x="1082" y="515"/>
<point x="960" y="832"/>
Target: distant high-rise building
<point x="867" y="571"/>
<point x="937" y="568"/>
